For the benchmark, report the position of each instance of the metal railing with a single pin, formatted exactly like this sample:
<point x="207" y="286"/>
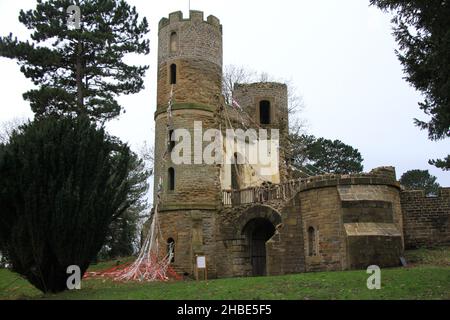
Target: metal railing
<point x="261" y="194"/>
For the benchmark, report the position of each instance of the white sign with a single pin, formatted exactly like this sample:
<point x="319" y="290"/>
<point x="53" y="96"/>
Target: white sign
<point x="201" y="262"/>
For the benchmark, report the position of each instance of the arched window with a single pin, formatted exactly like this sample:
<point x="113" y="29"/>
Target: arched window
<point x="171" y="179"/>
<point x="171" y="140"/>
<point x="173" y="73"/>
<point x="264" y="112"/>
<point x="171" y="249"/>
<point x="173" y="42"/>
<point x="312" y="242"/>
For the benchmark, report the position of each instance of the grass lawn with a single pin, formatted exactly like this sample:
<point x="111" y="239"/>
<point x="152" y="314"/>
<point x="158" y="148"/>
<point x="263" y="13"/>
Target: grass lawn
<point x="427" y="277"/>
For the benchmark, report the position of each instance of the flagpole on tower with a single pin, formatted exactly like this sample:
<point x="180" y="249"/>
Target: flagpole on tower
<point x="189" y="5"/>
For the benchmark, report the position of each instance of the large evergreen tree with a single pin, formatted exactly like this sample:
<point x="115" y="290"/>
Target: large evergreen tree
<point x="80" y="71"/>
<point x="422" y="30"/>
<point x="420" y="180"/>
<point x="62" y="183"/>
<point x="315" y="156"/>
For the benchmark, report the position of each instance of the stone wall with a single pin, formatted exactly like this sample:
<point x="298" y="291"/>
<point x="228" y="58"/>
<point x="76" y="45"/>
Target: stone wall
<point x="380" y="245"/>
<point x="285" y="251"/>
<point x="198" y="56"/>
<point x="198" y="81"/>
<point x="372" y="219"/>
<point x="197" y="37"/>
<point x="232" y="246"/>
<point x="249" y="96"/>
<point x="196" y="94"/>
<point x="321" y="210"/>
<point x="193" y="233"/>
<point x="351" y="221"/>
<point x="357" y="221"/>
<point x="426" y="219"/>
<point x="197" y="186"/>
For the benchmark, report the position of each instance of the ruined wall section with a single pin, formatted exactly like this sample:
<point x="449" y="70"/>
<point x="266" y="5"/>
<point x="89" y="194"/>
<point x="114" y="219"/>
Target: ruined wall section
<point x="249" y="97"/>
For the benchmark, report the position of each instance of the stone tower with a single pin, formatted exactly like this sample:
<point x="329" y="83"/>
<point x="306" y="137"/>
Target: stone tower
<point x="189" y="70"/>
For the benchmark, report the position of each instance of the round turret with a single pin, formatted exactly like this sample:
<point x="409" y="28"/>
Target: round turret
<point x="189" y="71"/>
<point x="190" y="57"/>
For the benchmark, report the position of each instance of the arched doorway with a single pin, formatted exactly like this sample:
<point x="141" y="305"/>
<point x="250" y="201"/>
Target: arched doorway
<point x="257" y="232"/>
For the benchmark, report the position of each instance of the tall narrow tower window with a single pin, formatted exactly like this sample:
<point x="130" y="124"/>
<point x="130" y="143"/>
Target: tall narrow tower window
<point x="171" y="140"/>
<point x="173" y="73"/>
<point x="312" y="242"/>
<point x="264" y="112"/>
<point x="171" y="179"/>
<point x="173" y="42"/>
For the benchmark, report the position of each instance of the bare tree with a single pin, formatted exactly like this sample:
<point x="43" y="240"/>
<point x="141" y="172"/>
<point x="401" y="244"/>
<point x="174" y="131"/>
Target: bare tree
<point x="233" y="74"/>
<point x="238" y="74"/>
<point x="146" y="153"/>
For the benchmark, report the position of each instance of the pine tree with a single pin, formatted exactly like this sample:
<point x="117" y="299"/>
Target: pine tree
<point x="420" y="180"/>
<point x="315" y="156"/>
<point x="80" y="71"/>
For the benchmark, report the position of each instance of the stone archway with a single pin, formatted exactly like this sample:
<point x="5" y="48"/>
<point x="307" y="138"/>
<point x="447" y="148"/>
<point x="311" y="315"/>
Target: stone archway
<point x="257" y="232"/>
<point x="257" y="225"/>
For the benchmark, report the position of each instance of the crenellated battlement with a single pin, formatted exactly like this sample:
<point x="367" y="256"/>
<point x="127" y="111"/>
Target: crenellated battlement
<point x="193" y="38"/>
<point x="194" y="16"/>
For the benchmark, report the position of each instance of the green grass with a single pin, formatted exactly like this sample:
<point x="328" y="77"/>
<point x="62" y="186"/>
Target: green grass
<point x="437" y="256"/>
<point x="12" y="286"/>
<point x="427" y="277"/>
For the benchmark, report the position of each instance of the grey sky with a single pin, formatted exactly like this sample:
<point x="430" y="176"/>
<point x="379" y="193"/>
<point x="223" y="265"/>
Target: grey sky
<point x="339" y="54"/>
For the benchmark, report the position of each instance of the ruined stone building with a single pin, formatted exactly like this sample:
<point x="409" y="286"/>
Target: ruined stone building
<point x="246" y="225"/>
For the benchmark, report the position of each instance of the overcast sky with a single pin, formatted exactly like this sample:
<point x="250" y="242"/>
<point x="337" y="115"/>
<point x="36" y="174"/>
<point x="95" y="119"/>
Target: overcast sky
<point x="339" y="54"/>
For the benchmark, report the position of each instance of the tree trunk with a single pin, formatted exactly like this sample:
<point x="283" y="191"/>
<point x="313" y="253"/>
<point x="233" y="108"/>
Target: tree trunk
<point x="79" y="77"/>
